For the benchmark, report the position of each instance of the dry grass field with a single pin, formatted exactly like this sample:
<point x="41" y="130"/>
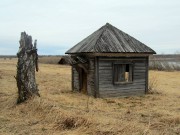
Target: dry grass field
<point x="60" y="111"/>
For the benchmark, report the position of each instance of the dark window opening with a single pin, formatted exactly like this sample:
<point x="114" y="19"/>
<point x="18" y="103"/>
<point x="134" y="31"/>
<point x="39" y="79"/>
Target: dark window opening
<point x="122" y="73"/>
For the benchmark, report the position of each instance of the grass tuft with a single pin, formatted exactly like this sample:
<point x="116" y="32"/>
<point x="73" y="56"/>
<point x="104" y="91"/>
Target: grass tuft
<point x="153" y="84"/>
<point x="71" y="122"/>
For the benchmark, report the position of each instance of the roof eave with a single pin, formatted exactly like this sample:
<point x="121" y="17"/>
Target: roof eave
<point x="142" y="54"/>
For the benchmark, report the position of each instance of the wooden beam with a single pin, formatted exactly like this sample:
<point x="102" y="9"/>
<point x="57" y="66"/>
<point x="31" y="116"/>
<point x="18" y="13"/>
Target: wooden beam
<point x="147" y="75"/>
<point x="96" y="77"/>
<point x="83" y="66"/>
<point x="118" y="54"/>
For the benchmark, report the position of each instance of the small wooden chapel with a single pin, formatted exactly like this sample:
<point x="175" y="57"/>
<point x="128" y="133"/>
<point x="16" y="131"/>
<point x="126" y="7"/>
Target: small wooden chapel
<point x="110" y="63"/>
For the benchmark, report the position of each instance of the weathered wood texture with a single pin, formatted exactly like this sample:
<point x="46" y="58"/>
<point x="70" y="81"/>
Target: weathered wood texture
<point x="107" y="45"/>
<point x="27" y="63"/>
<point x="72" y="60"/>
<point x="106" y="86"/>
<point x="90" y="78"/>
<point x="147" y="74"/>
<point x="109" y="39"/>
<point x="75" y="80"/>
<point x="96" y="79"/>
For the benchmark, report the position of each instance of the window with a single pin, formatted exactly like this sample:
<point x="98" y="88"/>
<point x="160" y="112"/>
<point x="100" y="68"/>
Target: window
<point x="122" y="73"/>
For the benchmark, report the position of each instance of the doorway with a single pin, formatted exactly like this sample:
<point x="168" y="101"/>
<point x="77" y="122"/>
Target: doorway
<point x="83" y="81"/>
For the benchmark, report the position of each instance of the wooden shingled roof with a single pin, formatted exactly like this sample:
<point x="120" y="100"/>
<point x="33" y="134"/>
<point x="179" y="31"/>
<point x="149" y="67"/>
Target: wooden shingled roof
<point x="109" y="39"/>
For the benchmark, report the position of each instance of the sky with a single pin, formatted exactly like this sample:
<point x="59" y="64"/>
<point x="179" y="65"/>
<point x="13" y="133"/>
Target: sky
<point x="58" y="25"/>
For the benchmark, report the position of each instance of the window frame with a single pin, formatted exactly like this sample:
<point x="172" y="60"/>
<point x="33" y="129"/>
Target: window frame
<point x="114" y="72"/>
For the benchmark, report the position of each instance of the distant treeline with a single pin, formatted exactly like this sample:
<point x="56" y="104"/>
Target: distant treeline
<point x="165" y="62"/>
<point x="8" y="56"/>
<point x="14" y="56"/>
<point x="165" y="57"/>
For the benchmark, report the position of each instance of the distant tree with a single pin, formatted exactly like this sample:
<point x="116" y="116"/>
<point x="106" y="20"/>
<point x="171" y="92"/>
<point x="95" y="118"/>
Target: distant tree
<point x="27" y="63"/>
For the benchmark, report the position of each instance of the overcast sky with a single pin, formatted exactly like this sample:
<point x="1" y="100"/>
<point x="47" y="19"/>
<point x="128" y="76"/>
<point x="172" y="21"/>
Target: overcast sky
<point x="60" y="24"/>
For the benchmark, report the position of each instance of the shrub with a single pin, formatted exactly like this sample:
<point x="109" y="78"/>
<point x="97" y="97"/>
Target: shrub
<point x="153" y="83"/>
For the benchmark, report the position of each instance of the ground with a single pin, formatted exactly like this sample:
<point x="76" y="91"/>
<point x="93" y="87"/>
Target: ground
<point x="60" y="111"/>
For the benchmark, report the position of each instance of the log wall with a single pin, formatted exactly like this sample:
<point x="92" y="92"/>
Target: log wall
<point x="106" y="86"/>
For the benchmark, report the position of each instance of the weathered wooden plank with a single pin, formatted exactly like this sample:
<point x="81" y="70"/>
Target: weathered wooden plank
<point x="75" y="80"/>
<point x="135" y="79"/>
<point x="133" y="61"/>
<point x="110" y="83"/>
<point x="136" y="59"/>
<point x="96" y="77"/>
<point x="147" y="74"/>
<point x="140" y="85"/>
<point x="109" y="75"/>
<point x="108" y="87"/>
<point x="122" y="94"/>
<point x="90" y="78"/>
<point x="138" y="73"/>
<point x="106" y="68"/>
<point x="121" y="91"/>
<point x="108" y="64"/>
<point x="138" y="78"/>
<point x="105" y="72"/>
<point x="139" y="68"/>
<point x="139" y="65"/>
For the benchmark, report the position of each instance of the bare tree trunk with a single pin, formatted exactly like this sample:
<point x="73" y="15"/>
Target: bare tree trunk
<point x="27" y="62"/>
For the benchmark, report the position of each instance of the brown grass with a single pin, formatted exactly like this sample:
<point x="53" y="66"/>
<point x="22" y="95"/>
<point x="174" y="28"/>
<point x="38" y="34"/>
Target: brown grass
<point x="59" y="111"/>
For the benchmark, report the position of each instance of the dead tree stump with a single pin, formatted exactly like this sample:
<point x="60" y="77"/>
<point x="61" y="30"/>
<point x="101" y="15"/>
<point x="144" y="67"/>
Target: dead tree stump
<point x="26" y="65"/>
